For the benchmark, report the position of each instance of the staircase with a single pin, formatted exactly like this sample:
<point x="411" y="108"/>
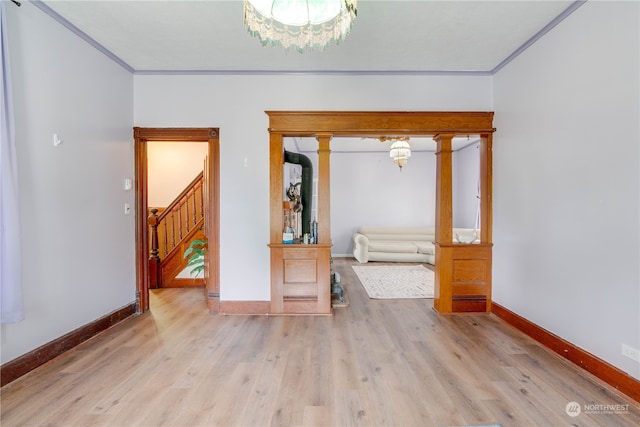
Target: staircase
<point x="171" y="231"/>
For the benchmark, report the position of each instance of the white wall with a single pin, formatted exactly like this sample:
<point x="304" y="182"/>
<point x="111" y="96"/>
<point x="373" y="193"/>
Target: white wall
<point x="236" y="105"/>
<point x="566" y="182"/>
<point x="369" y="189"/>
<point x="171" y="167"/>
<point x="78" y="246"/>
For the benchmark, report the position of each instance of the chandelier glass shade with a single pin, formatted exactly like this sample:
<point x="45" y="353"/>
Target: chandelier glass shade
<point x="299" y="24"/>
<point x="400" y="152"/>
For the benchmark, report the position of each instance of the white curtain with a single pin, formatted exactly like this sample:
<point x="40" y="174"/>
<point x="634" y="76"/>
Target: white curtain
<point x="11" y="302"/>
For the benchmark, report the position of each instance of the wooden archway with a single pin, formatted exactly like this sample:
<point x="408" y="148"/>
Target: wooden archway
<point x="300" y="274"/>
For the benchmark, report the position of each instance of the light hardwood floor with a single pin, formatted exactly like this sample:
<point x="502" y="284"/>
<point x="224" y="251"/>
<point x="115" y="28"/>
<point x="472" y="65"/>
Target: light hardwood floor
<point x="374" y="363"/>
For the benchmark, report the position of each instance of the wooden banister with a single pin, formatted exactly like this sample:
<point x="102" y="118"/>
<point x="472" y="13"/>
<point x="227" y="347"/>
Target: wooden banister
<point x="176" y="224"/>
<point x="181" y="216"/>
<point x="176" y="201"/>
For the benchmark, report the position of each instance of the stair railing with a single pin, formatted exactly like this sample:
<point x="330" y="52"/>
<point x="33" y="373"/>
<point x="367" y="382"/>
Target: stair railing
<point x="173" y="225"/>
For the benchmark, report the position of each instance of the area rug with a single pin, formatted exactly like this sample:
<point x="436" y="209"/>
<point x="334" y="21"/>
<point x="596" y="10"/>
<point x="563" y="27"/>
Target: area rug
<point x="395" y="281"/>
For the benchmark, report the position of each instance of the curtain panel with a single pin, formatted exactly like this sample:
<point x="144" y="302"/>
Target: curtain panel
<point x="11" y="300"/>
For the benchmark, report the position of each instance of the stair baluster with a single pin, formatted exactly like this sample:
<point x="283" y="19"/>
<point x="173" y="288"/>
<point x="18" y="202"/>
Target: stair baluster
<point x="186" y="215"/>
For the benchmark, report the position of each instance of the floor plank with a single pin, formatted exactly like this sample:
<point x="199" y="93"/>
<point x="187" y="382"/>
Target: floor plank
<point x="373" y="363"/>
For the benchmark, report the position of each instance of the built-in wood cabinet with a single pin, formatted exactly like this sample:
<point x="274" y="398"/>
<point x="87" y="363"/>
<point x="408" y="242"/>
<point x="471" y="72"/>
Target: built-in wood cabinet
<point x="300" y="279"/>
<point x="300" y="274"/>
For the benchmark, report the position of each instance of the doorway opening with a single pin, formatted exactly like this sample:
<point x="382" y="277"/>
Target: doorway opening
<point x="146" y="269"/>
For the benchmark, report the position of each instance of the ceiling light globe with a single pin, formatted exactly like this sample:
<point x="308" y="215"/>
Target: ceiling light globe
<point x="400" y="152"/>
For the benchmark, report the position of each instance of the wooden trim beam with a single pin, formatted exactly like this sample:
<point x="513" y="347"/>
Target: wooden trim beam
<point x="346" y="123"/>
<point x="175" y="134"/>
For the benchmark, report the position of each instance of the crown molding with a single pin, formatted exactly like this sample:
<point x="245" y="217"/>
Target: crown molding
<point x="537" y="36"/>
<point x="84" y="36"/>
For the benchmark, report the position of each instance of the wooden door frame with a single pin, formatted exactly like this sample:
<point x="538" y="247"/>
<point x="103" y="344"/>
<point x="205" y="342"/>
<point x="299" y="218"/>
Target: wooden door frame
<point x="462" y="271"/>
<point x="211" y="137"/>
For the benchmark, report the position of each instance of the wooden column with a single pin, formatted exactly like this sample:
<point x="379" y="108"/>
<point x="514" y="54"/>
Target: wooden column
<point x="276" y="160"/>
<point x="486" y="210"/>
<point x="486" y="185"/>
<point x="444" y="222"/>
<point x="300" y="273"/>
<point x="324" y="183"/>
<point x="462" y="271"/>
<point x="324" y="223"/>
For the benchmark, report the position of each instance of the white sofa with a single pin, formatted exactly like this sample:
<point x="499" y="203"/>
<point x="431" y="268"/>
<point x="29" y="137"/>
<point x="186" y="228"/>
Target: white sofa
<point x="401" y="244"/>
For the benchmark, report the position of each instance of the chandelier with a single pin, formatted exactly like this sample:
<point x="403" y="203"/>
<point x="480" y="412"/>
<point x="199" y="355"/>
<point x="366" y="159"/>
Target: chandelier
<point x="299" y="24"/>
<point x="400" y="151"/>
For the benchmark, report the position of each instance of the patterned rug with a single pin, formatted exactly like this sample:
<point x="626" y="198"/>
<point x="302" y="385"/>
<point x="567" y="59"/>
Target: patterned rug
<point x="395" y="281"/>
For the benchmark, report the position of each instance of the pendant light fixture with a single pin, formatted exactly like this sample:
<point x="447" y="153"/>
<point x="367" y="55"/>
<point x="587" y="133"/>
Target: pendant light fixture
<point x="299" y="25"/>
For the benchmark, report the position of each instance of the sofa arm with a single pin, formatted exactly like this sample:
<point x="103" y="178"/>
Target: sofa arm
<point x="361" y="247"/>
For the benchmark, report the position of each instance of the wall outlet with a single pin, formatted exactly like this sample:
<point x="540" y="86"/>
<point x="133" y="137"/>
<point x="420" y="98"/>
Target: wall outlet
<point x="630" y="352"/>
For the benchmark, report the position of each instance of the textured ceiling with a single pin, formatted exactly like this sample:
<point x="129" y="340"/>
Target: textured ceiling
<point x="394" y="36"/>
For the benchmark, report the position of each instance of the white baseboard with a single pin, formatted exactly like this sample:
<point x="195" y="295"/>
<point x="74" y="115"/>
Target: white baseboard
<point x="342" y="255"/>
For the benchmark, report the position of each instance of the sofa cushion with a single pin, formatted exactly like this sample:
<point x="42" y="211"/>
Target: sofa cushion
<point x="398" y="233"/>
<point x="391" y="246"/>
<point x="401" y="237"/>
<point x="425" y="248"/>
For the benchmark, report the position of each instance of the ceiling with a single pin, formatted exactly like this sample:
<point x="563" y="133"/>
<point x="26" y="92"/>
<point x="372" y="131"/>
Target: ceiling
<point x="392" y="36"/>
